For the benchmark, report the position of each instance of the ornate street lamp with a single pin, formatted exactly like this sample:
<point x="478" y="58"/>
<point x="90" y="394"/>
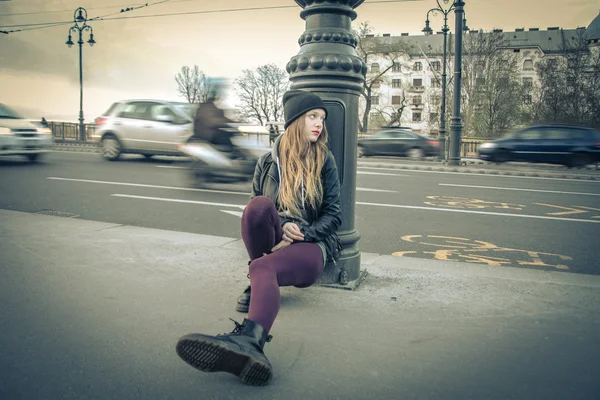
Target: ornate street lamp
<point x="456" y="124"/>
<point x="327" y="64"/>
<point x="80" y="19"/>
<point x="445" y="10"/>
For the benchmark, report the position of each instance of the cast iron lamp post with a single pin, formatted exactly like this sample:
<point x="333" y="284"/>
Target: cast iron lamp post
<point x="445" y="10"/>
<point x="327" y="64"/>
<point x="80" y="19"/>
<point x="456" y="123"/>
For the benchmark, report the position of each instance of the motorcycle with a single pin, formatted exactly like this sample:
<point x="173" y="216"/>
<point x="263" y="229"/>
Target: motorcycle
<point x="209" y="164"/>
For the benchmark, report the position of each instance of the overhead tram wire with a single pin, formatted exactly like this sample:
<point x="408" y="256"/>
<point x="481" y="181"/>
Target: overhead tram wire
<point x="103" y="18"/>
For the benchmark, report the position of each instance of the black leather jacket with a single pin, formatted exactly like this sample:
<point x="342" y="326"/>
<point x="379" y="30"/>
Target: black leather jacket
<point x="323" y="222"/>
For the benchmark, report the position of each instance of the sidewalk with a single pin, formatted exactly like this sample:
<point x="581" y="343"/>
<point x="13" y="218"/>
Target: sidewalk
<point x="92" y="310"/>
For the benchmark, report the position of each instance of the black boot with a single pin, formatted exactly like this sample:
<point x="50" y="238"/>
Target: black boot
<point x="243" y="302"/>
<point x="239" y="352"/>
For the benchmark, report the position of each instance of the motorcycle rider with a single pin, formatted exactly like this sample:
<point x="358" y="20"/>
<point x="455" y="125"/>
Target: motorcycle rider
<point x="210" y="121"/>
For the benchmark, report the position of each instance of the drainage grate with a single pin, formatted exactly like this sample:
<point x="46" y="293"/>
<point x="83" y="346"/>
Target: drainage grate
<point x="55" y="213"/>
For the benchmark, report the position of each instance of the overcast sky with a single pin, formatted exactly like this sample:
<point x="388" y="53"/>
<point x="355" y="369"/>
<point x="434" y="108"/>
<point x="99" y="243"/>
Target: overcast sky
<point x="138" y="56"/>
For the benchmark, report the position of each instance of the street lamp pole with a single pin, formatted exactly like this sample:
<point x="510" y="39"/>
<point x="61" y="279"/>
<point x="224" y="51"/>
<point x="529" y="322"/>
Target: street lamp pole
<point x="456" y="124"/>
<point x="445" y="10"/>
<point x="80" y="19"/>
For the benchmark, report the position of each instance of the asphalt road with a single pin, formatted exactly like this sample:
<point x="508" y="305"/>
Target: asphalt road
<point x="529" y="222"/>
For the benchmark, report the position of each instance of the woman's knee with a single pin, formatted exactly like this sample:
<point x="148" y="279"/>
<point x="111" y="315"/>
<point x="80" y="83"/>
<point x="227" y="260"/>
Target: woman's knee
<point x="259" y="208"/>
<point x="260" y="265"/>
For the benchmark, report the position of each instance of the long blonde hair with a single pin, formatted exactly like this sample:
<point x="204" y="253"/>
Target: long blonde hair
<point x="301" y="163"/>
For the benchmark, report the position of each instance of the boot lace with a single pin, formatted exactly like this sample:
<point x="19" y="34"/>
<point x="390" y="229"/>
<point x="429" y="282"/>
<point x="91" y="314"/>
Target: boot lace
<point x="238" y="330"/>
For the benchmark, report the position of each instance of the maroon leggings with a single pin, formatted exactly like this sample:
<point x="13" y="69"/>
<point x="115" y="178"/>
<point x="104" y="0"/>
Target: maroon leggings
<point x="299" y="264"/>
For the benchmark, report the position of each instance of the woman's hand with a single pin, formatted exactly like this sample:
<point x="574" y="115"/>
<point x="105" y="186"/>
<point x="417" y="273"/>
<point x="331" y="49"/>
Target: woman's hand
<point x="281" y="245"/>
<point x="291" y="231"/>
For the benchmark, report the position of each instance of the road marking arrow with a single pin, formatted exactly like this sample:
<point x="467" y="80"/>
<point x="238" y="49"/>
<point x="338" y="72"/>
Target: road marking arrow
<point x="569" y="211"/>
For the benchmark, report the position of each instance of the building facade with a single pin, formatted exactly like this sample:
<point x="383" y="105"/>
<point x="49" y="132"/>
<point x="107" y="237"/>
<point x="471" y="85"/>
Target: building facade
<point x="409" y="92"/>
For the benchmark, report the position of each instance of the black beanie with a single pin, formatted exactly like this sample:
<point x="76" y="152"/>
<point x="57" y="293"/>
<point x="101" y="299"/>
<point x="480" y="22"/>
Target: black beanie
<point x="297" y="102"/>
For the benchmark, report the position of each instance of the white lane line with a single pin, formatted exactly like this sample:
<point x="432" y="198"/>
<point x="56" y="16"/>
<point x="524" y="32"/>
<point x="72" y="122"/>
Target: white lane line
<point x="488" y="175"/>
<point x="236" y="213"/>
<point x="147" y="186"/>
<point x="181" y="188"/>
<point x="170" y="166"/>
<point x="364" y="204"/>
<point x="359" y="189"/>
<point x="519" y="189"/>
<point x="208" y="203"/>
<point x="477" y="212"/>
<point x="378" y="173"/>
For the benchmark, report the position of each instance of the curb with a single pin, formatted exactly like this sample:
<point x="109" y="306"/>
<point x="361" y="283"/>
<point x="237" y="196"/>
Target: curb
<point x="464" y="169"/>
<point x="76" y="147"/>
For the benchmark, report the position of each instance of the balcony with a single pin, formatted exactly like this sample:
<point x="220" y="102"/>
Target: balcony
<point x="413" y="88"/>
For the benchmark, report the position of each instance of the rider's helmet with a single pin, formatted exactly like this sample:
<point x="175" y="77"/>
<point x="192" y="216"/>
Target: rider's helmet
<point x="216" y="88"/>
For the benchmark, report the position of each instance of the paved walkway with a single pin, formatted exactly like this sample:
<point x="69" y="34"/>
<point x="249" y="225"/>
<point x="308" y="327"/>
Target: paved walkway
<point x="92" y="310"/>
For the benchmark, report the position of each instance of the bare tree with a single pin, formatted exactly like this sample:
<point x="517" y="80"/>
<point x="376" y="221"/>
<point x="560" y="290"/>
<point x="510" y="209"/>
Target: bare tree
<point x="492" y="92"/>
<point x="391" y="115"/>
<point x="260" y="92"/>
<point x="371" y="49"/>
<point x="569" y="85"/>
<point x="495" y="91"/>
<point x="192" y="84"/>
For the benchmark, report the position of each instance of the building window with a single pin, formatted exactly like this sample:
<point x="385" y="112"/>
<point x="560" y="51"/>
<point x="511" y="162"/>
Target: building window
<point x="418" y="83"/>
<point x="416" y="100"/>
<point x="435" y="83"/>
<point x="527" y="83"/>
<point x="527" y="65"/>
<point x="375" y="100"/>
<point x="375" y="67"/>
<point x="418" y="66"/>
<point x="435" y="100"/>
<point x="396" y="67"/>
<point x="416" y="117"/>
<point x="527" y="99"/>
<point x="433" y="117"/>
<point x="396" y="83"/>
<point x="396" y="100"/>
<point x="435" y="65"/>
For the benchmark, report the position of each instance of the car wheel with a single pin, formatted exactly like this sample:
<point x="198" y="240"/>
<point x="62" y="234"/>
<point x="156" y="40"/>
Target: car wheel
<point x="579" y="160"/>
<point x="361" y="152"/>
<point x="111" y="148"/>
<point x="416" y="153"/>
<point x="501" y="157"/>
<point x="33" y="157"/>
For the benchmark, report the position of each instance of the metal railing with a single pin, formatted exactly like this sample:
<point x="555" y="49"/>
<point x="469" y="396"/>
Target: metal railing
<point x="69" y="131"/>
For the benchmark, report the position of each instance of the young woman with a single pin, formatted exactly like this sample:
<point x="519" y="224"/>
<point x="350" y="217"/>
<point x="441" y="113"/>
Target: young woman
<point x="289" y="229"/>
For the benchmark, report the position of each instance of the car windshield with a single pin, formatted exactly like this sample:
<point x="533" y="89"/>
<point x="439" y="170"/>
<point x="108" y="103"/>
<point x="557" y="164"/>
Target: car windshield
<point x="8" y="113"/>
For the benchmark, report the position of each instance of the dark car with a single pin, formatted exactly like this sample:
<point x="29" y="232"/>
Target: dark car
<point x="572" y="146"/>
<point x="397" y="142"/>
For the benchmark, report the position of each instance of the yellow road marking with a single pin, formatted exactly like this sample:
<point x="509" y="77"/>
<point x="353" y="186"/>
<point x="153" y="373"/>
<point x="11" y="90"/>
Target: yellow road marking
<point x="463" y="249"/>
<point x="569" y="211"/>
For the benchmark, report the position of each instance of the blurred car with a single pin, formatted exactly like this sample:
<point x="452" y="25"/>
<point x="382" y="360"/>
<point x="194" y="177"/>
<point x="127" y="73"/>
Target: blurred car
<point x="398" y="142"/>
<point x="148" y="127"/>
<point x="19" y="136"/>
<point x="573" y="146"/>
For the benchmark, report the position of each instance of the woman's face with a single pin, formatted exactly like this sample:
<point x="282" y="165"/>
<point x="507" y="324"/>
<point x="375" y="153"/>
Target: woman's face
<point x="313" y="124"/>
